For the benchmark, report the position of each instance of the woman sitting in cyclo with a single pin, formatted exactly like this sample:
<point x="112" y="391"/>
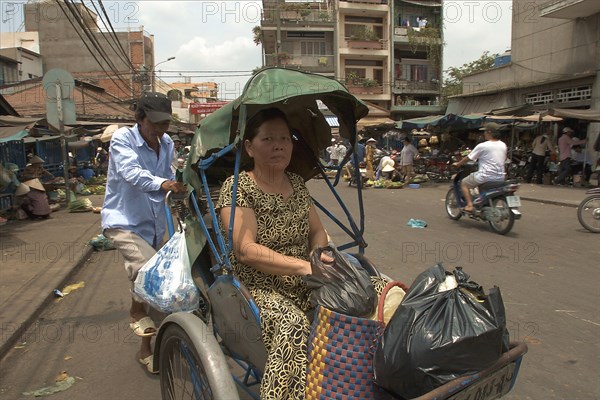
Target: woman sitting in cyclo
<point x="276" y="227"/>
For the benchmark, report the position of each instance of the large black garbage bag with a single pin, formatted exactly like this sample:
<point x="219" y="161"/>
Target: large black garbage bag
<point x="437" y="335"/>
<point x="343" y="286"/>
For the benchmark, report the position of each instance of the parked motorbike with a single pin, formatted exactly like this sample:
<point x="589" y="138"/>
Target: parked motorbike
<point x="493" y="202"/>
<point x="518" y="165"/>
<point x="588" y="211"/>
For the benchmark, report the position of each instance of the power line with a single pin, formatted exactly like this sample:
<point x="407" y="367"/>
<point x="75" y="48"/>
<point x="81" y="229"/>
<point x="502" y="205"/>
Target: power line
<point x="76" y="14"/>
<point x="94" y="40"/>
<point x="205" y="76"/>
<point x="121" y="54"/>
<point x="85" y="44"/>
<point x="205" y="71"/>
<point x="112" y="29"/>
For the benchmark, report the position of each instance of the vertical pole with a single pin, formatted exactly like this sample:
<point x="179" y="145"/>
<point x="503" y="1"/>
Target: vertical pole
<point x="63" y="140"/>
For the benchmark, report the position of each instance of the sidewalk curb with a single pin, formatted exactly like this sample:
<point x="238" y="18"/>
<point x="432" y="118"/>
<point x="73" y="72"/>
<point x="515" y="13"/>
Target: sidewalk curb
<point x="552" y="202"/>
<point x="9" y="341"/>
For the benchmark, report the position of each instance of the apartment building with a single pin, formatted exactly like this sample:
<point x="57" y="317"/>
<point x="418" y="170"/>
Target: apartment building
<point x="555" y="59"/>
<point x="379" y="50"/>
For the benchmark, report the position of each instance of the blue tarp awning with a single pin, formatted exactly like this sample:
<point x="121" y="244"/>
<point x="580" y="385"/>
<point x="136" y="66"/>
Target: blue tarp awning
<point x="449" y="120"/>
<point x="15" y="136"/>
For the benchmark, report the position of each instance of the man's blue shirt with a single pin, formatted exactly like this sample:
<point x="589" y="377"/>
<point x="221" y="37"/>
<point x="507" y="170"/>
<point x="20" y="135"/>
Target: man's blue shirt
<point x="134" y="200"/>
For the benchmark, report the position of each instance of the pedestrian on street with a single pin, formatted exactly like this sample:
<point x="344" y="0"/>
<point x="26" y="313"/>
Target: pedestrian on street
<point x="541" y="145"/>
<point x="407" y="157"/>
<point x="565" y="142"/>
<point x="370" y="150"/>
<point x="101" y="161"/>
<point x="133" y="215"/>
<point x="336" y="151"/>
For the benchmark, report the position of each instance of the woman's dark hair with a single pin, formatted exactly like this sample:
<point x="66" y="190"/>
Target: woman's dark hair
<point x="268" y="114"/>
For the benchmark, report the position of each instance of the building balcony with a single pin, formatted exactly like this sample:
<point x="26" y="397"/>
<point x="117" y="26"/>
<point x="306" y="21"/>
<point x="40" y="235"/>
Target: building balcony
<point x="313" y="63"/>
<point x="364" y="7"/>
<point x="365" y="44"/>
<point x="298" y="17"/>
<point x="569" y="9"/>
<point x="361" y="91"/>
<point x="363" y="2"/>
<point x="401" y="35"/>
<point x="418" y="110"/>
<point x="373" y="48"/>
<point x="416" y="87"/>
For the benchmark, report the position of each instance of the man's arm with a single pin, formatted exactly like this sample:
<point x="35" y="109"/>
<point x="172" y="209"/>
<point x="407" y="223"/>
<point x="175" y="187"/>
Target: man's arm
<point x="129" y="167"/>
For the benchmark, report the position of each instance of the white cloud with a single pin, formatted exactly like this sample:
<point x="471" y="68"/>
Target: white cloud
<point x="472" y="27"/>
<point x="217" y="35"/>
<point x="209" y="39"/>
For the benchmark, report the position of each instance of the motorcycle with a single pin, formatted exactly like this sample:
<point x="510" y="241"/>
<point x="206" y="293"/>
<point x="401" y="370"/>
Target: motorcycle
<point x="588" y="212"/>
<point x="493" y="202"/>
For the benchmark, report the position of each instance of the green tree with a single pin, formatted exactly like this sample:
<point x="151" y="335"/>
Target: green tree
<point x="453" y="82"/>
<point x="257" y="35"/>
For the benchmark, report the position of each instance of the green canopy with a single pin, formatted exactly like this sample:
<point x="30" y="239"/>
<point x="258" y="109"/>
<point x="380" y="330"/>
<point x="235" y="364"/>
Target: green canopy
<point x="298" y="95"/>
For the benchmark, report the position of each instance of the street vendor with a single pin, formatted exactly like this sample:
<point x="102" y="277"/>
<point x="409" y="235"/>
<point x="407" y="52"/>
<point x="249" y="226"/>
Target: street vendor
<point x="35" y="170"/>
<point x="34" y="200"/>
<point x="369" y="156"/>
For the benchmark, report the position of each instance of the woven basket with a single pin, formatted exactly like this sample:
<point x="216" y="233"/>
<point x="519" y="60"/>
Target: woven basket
<point x="340" y="355"/>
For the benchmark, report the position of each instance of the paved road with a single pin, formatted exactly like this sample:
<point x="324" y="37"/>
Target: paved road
<point x="547" y="269"/>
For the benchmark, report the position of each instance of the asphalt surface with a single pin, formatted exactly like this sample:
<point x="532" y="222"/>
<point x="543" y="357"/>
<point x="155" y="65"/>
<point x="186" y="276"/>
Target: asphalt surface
<point x="544" y="266"/>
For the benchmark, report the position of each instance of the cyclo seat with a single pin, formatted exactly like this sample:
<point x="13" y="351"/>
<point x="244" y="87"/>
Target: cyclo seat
<point x="236" y="317"/>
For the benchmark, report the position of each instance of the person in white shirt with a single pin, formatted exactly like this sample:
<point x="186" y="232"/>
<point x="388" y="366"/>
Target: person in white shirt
<point x="491" y="156"/>
<point x="336" y="151"/>
<point x="407" y="156"/>
<point x="341" y="151"/>
<point x="541" y="144"/>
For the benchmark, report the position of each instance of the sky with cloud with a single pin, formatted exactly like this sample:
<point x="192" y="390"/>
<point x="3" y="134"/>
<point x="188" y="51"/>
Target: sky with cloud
<point x="212" y="40"/>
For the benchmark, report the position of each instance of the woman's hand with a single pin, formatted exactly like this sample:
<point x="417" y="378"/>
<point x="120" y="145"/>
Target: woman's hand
<point x="326" y="258"/>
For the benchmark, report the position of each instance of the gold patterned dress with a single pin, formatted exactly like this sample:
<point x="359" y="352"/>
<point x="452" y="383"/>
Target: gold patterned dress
<point x="283" y="300"/>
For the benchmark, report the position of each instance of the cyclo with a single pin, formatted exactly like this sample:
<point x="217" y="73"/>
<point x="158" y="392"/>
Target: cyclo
<point x="200" y="354"/>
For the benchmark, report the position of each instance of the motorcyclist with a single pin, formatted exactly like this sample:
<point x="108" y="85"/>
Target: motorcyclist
<point x="491" y="156"/>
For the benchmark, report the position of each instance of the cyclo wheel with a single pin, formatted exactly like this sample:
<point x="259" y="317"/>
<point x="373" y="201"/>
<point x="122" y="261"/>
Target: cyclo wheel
<point x="182" y="374"/>
<point x="588" y="213"/>
<point x="452" y="208"/>
<point x="506" y="223"/>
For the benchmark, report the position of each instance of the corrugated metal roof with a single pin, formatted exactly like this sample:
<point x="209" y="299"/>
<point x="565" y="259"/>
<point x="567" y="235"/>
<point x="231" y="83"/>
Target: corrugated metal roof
<point x="332" y="121"/>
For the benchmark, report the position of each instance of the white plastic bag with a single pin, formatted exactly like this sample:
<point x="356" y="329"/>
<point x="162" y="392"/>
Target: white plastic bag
<point x="165" y="281"/>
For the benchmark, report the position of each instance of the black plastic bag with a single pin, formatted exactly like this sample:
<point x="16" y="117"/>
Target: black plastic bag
<point x="343" y="286"/>
<point x="437" y="335"/>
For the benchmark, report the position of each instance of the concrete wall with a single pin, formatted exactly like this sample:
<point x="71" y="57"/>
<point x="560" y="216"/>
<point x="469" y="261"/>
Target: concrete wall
<point x="29" y="63"/>
<point x="27" y="40"/>
<point x="543" y="50"/>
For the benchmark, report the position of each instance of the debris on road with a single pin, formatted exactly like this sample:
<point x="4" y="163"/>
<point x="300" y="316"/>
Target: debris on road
<point x="63" y="382"/>
<point x="416" y="223"/>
